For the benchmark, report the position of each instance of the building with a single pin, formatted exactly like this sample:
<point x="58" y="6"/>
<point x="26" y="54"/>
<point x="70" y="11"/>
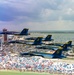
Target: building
<point x="5" y="35"/>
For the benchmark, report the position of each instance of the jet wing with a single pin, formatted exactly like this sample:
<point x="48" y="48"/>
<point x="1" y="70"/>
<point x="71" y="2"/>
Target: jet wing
<point x="9" y="32"/>
<point x="23" y="32"/>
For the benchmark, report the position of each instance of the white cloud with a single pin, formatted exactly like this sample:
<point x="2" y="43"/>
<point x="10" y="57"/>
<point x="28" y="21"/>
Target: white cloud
<point x="37" y="14"/>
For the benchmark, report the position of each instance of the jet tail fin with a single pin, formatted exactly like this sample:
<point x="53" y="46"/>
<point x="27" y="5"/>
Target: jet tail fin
<point x="69" y="43"/>
<point x="58" y="53"/>
<point x="64" y="46"/>
<point x="24" y="32"/>
<point x="38" y="41"/>
<point x="48" y="38"/>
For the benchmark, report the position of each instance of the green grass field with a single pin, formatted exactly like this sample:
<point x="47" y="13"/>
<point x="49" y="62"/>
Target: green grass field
<point x="23" y="73"/>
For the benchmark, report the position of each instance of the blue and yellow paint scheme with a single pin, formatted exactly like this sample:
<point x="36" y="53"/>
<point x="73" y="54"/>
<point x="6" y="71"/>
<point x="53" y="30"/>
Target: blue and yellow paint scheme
<point x="23" y="32"/>
<point x="53" y="54"/>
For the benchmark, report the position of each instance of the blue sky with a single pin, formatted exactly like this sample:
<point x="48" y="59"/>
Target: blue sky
<point x="44" y="15"/>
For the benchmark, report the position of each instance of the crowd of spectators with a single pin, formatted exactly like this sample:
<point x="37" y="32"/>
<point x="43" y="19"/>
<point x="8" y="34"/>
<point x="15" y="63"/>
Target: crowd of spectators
<point x="36" y="64"/>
